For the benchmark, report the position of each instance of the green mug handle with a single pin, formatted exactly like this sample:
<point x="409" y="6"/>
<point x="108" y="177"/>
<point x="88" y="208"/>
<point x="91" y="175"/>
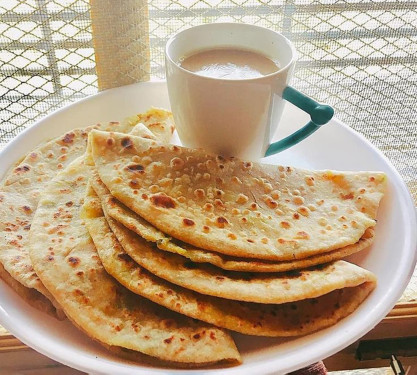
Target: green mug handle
<point x="320" y="114"/>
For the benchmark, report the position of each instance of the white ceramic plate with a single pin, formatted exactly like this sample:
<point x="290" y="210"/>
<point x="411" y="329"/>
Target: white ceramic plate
<point x="392" y="257"/>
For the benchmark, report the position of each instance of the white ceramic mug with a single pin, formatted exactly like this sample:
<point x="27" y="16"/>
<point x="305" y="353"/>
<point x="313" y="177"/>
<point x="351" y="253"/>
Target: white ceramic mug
<point x="235" y="117"/>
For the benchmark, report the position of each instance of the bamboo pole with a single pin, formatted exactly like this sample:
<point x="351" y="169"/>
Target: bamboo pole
<point x="121" y="41"/>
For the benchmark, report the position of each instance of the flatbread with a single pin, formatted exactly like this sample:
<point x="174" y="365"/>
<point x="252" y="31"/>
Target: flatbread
<point x="242" y="286"/>
<point x="139" y="130"/>
<point x="66" y="260"/>
<point x="19" y="195"/>
<point x="235" y="207"/>
<point x="119" y="212"/>
<point x="291" y="319"/>
<point x="159" y="121"/>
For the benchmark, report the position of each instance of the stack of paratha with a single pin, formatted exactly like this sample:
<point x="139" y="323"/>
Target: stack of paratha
<point x="248" y="247"/>
<point x="20" y="191"/>
<point x="136" y="237"/>
<point x="40" y="200"/>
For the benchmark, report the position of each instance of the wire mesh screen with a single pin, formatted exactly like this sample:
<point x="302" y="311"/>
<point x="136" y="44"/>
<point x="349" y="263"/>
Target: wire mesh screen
<point x="46" y="59"/>
<point x="359" y="56"/>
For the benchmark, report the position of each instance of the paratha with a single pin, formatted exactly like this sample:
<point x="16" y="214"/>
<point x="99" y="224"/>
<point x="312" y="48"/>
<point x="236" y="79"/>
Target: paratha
<point x="66" y="260"/>
<point x="236" y="207"/>
<point x="119" y="212"/>
<point x="159" y="121"/>
<point x="289" y="319"/>
<point x="19" y="194"/>
<point x="242" y="286"/>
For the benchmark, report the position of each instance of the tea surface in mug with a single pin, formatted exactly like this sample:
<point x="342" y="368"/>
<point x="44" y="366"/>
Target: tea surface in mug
<point x="229" y="63"/>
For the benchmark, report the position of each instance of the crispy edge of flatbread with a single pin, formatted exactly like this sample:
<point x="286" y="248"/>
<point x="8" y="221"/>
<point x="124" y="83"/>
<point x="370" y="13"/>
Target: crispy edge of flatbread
<point x="270" y="288"/>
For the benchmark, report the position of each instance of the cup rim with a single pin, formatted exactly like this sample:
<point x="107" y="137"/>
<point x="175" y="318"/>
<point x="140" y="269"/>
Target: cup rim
<point x="232" y="24"/>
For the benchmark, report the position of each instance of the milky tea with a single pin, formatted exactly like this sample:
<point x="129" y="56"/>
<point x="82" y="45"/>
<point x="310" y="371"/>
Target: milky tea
<point x="229" y="63"/>
<point x="226" y="87"/>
